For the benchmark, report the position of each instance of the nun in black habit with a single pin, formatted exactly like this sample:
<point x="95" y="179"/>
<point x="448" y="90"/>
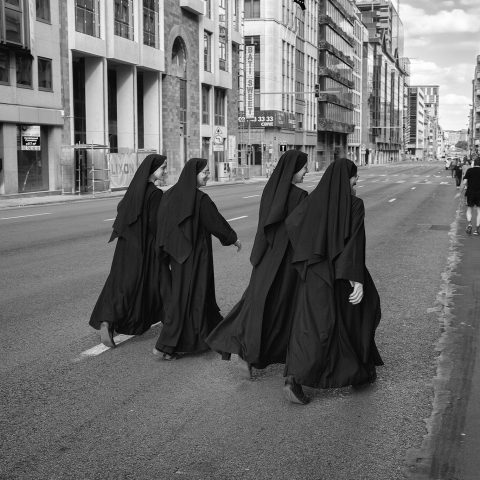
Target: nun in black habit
<point x="130" y="301"/>
<point x="258" y="327"/>
<point x="187" y="220"/>
<point x="337" y="306"/>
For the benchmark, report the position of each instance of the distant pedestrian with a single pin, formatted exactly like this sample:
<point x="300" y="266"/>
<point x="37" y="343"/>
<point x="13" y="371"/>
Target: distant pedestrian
<point x="130" y="301"/>
<point x="465" y="167"/>
<point x="472" y="194"/>
<point x="457" y="172"/>
<point x="337" y="308"/>
<point x="187" y="220"/>
<point x="258" y="327"/>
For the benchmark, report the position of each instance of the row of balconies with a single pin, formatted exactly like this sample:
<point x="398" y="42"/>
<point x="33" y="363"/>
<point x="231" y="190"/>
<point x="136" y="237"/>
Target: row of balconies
<point x="328" y="125"/>
<point x="328" y="72"/>
<point x="337" y="100"/>
<point x="327" y="20"/>
<point x="324" y="45"/>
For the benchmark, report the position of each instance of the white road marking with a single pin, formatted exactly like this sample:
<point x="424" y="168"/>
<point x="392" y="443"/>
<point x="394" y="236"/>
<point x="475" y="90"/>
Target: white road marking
<point x="392" y="200"/>
<point x="109" y="219"/>
<point x="413" y="188"/>
<point x="24" y="216"/>
<point x="444" y="183"/>
<point x="400" y="181"/>
<point x="251" y="196"/>
<point x="237" y="218"/>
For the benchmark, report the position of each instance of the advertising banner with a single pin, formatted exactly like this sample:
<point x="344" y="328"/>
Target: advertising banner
<point x="122" y="168"/>
<point x="30" y="137"/>
<point x="249" y="81"/>
<point x="269" y="118"/>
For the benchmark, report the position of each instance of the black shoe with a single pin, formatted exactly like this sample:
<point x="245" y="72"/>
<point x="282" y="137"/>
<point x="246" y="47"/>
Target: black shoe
<point x="106" y="334"/>
<point x="293" y="392"/>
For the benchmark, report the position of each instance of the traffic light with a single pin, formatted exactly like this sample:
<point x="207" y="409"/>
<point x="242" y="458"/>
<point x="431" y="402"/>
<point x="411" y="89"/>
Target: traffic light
<point x="317" y="90"/>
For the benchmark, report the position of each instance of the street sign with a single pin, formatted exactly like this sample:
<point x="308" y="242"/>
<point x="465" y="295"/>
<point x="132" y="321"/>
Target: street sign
<point x="250" y="81"/>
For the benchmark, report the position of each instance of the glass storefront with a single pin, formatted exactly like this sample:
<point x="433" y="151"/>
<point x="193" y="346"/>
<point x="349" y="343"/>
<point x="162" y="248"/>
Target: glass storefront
<point x="32" y="158"/>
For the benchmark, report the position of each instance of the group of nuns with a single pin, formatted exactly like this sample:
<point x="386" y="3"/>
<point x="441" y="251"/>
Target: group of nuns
<point x="311" y="303"/>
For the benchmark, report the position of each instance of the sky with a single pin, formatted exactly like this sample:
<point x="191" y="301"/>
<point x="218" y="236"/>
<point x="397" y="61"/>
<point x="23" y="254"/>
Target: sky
<point x="442" y="39"/>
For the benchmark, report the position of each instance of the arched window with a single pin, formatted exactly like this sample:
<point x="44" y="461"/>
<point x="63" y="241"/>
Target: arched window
<point x="179" y="57"/>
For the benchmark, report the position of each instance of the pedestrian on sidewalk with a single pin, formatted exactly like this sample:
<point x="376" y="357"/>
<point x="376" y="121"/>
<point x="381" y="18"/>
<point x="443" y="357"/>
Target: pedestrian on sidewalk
<point x="130" y="301"/>
<point x="258" y="327"/>
<point x="457" y="171"/>
<point x="337" y="306"/>
<point x="187" y="219"/>
<point x="472" y="194"/>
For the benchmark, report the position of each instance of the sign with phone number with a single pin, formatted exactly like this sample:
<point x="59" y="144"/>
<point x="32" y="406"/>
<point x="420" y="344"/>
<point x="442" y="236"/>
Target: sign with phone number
<point x="269" y="119"/>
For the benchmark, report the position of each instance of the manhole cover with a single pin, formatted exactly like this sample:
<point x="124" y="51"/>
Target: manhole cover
<point x="440" y="227"/>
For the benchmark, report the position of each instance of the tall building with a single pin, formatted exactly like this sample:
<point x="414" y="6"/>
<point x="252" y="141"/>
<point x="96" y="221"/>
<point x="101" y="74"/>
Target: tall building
<point x="357" y="150"/>
<point x="416" y="107"/>
<point x="31" y="116"/>
<point x="383" y="101"/>
<point x="475" y="118"/>
<point x="336" y="79"/>
<point x="432" y="103"/>
<point x="278" y="109"/>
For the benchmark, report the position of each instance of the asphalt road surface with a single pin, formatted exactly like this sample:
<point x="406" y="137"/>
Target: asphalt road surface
<point x="73" y="410"/>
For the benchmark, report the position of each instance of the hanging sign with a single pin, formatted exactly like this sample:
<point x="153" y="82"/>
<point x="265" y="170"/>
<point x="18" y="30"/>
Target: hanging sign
<point x="249" y="81"/>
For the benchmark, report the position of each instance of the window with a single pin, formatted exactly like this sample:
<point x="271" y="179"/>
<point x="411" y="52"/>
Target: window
<point x="24" y="70"/>
<point x="12" y="22"/>
<point x="205" y="104"/>
<point x="222" y="49"/>
<point x="219" y="106"/>
<point x="44" y="74"/>
<point x="182" y="113"/>
<point x="252" y="8"/>
<point x="124" y="19"/>
<point x="43" y="10"/>
<point x="207" y="51"/>
<point x="87" y="17"/>
<point x="208" y="8"/>
<point x="4" y="66"/>
<point x="150" y="23"/>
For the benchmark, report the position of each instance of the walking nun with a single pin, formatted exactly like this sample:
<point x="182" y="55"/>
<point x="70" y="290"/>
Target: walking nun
<point x="130" y="301"/>
<point x="187" y="220"/>
<point x="337" y="306"/>
<point x="258" y="327"/>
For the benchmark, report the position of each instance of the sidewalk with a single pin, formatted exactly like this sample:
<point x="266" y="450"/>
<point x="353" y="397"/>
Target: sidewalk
<point x="44" y="198"/>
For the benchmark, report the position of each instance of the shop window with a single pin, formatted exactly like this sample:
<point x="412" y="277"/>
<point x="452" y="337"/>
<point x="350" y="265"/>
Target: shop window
<point x="4" y="66"/>
<point x="24" y="70"/>
<point x="44" y="74"/>
<point x="32" y="161"/>
<point x="43" y="10"/>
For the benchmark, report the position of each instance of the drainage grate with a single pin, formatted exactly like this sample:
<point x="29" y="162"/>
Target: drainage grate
<point x="440" y="227"/>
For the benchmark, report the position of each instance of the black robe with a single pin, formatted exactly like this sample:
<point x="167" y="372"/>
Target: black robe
<point x="130" y="299"/>
<point x="258" y="327"/>
<point x="332" y="341"/>
<point x="192" y="310"/>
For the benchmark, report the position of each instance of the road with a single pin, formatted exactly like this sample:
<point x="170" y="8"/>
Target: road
<point x="123" y="414"/>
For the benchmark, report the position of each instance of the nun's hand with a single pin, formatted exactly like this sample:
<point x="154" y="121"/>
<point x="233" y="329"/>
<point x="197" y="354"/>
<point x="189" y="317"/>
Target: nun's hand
<point x="238" y="244"/>
<point x="356" y="296"/>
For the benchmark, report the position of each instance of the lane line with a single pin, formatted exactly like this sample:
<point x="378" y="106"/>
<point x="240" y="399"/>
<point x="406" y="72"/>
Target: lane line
<point x="251" y="196"/>
<point x="237" y="218"/>
<point x="109" y="219"/>
<point x="25" y="216"/>
<point x="413" y="188"/>
<point x="392" y="200"/>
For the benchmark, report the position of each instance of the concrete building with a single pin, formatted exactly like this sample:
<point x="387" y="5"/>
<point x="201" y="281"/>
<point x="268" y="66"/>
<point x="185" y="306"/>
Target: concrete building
<point x="475" y="117"/>
<point x="336" y="79"/>
<point x="383" y="100"/>
<point x="278" y="109"/>
<point x="432" y="104"/>
<point x="416" y="106"/>
<point x="357" y="149"/>
<point x="31" y="96"/>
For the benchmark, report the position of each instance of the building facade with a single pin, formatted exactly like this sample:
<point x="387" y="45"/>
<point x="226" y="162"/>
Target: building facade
<point x="336" y="79"/>
<point x="277" y="109"/>
<point x="384" y="96"/>
<point x="474" y="141"/>
<point x="432" y="104"/>
<point x="416" y="107"/>
<point x="31" y="116"/>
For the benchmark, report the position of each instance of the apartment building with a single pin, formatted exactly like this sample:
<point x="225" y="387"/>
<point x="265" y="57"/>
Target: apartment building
<point x="432" y="104"/>
<point x="335" y="76"/>
<point x="416" y="140"/>
<point x="31" y="116"/>
<point x="384" y="96"/>
<point x="277" y="108"/>
<point x="474" y="140"/>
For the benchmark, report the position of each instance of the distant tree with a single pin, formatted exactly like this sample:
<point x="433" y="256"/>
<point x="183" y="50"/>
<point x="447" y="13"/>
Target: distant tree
<point x="462" y="145"/>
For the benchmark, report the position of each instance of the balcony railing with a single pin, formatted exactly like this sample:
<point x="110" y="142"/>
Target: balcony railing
<point x="324" y="45"/>
<point x="328" y="72"/>
<point x="328" y="125"/>
<point x="337" y="99"/>
<point x="326" y="19"/>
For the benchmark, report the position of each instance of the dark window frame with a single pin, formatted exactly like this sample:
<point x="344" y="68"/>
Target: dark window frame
<point x="48" y="61"/>
<point x="7" y="67"/>
<point x="87" y="14"/>
<point x="28" y="59"/>
<point x="45" y="8"/>
<point x="123" y="19"/>
<point x="151" y="35"/>
<point x="205" y="104"/>
<point x="219" y="106"/>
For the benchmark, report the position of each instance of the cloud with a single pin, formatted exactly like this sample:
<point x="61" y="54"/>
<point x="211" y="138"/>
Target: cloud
<point x="454" y="99"/>
<point x="418" y="23"/>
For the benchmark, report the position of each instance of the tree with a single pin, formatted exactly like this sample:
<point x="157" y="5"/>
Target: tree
<point x="462" y="145"/>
